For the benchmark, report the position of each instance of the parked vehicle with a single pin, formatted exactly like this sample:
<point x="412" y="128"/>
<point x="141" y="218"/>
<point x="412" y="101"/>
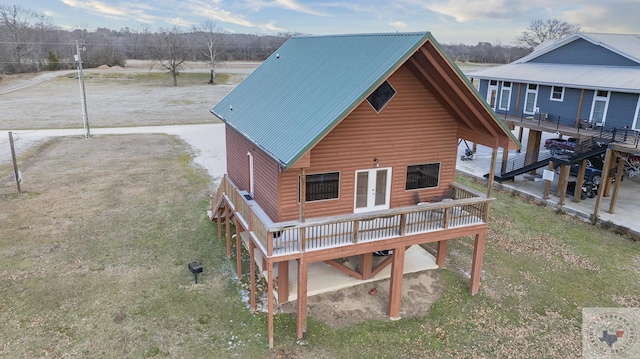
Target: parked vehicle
<point x="591" y="174"/>
<point x="589" y="189"/>
<point x="560" y="146"/>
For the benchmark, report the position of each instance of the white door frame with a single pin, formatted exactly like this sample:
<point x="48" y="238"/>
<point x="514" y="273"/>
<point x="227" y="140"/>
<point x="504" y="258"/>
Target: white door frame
<point x="493" y="90"/>
<point x="534" y="93"/>
<point x="502" y="93"/>
<point x="251" y="184"/>
<point x="372" y="192"/>
<point x="636" y="122"/>
<point x="606" y="107"/>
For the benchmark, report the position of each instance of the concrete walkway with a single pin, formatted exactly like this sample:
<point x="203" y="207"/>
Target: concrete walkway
<point x="627" y="209"/>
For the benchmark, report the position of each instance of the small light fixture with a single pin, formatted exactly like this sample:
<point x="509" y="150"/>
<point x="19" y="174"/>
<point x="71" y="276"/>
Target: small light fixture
<point x="195" y="268"/>
<point x="375" y="160"/>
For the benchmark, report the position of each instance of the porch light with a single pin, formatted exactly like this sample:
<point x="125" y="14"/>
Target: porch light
<point x="195" y="268"/>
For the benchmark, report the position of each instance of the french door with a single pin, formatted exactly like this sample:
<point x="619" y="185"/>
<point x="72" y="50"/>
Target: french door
<point x="373" y="189"/>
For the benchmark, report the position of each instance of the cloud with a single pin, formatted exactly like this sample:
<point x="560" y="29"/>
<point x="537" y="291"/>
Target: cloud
<point x="398" y="24"/>
<point x="177" y="21"/>
<point x="216" y="13"/>
<point x="128" y="11"/>
<point x="295" y="6"/>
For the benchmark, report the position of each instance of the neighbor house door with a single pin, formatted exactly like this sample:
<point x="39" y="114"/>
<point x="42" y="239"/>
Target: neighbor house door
<point x="373" y="189"/>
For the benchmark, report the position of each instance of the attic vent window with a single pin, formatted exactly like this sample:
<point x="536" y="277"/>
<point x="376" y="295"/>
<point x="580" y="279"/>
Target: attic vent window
<point x="381" y="96"/>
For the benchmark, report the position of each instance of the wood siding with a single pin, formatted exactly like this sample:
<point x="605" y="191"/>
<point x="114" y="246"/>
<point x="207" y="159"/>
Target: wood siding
<point x="413" y="128"/>
<point x="265" y="172"/>
<point x="583" y="52"/>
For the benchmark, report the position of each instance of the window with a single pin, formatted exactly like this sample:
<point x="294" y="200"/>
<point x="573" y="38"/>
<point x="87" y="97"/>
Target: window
<point x="423" y="176"/>
<point x="557" y="93"/>
<point x="505" y="96"/>
<point x="321" y="186"/>
<point x="599" y="108"/>
<point x="381" y="96"/>
<point x="530" y="99"/>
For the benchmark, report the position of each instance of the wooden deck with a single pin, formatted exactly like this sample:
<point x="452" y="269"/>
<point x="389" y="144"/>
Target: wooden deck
<point x="326" y="239"/>
<point x="467" y="207"/>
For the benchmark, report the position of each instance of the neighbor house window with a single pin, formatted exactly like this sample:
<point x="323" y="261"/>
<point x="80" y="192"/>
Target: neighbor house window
<point x="505" y="96"/>
<point x="557" y="93"/>
<point x="321" y="186"/>
<point x="423" y="176"/>
<point x="381" y="96"/>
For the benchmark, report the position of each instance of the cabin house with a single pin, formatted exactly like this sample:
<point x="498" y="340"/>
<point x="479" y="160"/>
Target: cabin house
<point x="583" y="80"/>
<point x="346" y="145"/>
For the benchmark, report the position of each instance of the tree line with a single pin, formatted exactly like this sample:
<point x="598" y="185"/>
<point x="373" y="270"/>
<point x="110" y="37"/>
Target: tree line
<point x="29" y="42"/>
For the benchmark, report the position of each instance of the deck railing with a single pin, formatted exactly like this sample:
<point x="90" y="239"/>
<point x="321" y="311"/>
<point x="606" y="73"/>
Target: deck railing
<point x="466" y="207"/>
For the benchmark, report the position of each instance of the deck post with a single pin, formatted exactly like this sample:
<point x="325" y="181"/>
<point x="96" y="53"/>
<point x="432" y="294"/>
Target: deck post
<point x="608" y="159"/>
<point x="492" y="172"/>
<point x="227" y="226"/>
<point x="270" y="303"/>
<point x="395" y="282"/>
<point x="547" y="185"/>
<point x="239" y="254"/>
<point x="476" y="265"/>
<point x="252" y="268"/>
<point x="283" y="282"/>
<point x="301" y="330"/>
<point x="441" y="255"/>
<point x="616" y="187"/>
<point x="219" y="220"/>
<point x="533" y="147"/>
<point x="366" y="264"/>
<point x="578" y="115"/>
<point x="577" y="192"/>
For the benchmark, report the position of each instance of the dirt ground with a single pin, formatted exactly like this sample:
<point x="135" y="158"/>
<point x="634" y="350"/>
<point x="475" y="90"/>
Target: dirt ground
<point x="370" y="301"/>
<point x="55" y="103"/>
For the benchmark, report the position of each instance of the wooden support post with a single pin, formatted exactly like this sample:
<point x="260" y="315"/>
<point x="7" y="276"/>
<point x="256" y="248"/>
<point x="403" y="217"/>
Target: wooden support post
<point x="395" y="283"/>
<point x="219" y="220"/>
<point x="492" y="172"/>
<point x="577" y="192"/>
<point x="520" y="133"/>
<point x="533" y="147"/>
<point x="616" y="186"/>
<point x="252" y="268"/>
<point x="441" y="256"/>
<point x="608" y="159"/>
<point x="366" y="264"/>
<point x="505" y="159"/>
<point x="578" y="115"/>
<point x="283" y="282"/>
<point x="547" y="185"/>
<point x="605" y="186"/>
<point x="476" y="265"/>
<point x="563" y="180"/>
<point x="270" y="303"/>
<point x="227" y="226"/>
<point x="239" y="253"/>
<point x="301" y="328"/>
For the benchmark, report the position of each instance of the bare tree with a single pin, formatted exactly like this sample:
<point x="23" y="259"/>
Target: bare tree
<point x="24" y="30"/>
<point x="213" y="40"/>
<point x="541" y="30"/>
<point x="172" y="51"/>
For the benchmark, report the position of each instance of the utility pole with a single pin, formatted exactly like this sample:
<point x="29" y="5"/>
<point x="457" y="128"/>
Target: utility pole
<point x="16" y="173"/>
<point x="83" y="98"/>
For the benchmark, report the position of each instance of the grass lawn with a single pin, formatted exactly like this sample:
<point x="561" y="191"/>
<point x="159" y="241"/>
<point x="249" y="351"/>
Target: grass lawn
<point x="93" y="263"/>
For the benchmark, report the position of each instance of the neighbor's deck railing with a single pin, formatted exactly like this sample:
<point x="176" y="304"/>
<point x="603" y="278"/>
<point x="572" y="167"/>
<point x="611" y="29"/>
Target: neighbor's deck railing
<point x="467" y="207"/>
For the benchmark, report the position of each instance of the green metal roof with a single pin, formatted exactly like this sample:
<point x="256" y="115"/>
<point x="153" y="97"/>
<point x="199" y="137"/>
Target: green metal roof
<point x="308" y="85"/>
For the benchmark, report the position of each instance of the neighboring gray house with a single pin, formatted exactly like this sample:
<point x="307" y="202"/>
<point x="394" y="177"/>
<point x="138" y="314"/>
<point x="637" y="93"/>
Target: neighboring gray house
<point x="582" y="78"/>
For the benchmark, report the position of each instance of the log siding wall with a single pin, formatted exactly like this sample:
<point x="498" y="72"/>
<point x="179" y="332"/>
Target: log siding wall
<point x="413" y="128"/>
<point x="265" y="172"/>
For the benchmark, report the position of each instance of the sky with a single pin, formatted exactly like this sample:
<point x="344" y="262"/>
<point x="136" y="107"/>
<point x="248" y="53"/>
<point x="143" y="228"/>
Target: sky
<point x="449" y="21"/>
